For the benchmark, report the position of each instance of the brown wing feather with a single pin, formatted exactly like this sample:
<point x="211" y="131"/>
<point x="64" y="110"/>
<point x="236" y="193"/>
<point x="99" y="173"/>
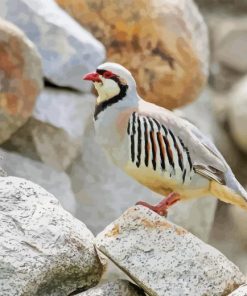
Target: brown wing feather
<point x="210" y="173"/>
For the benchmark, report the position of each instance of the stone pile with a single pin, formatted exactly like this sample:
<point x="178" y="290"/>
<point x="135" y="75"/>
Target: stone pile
<point x="47" y="137"/>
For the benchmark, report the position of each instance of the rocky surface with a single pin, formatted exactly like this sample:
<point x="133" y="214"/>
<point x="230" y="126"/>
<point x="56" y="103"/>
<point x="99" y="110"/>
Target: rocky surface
<point x="54" y="135"/>
<point x="43" y="249"/>
<point x="237" y="114"/>
<point x="241" y="291"/>
<point x="20" y="78"/>
<point x="55" y="182"/>
<point x="115" y="288"/>
<point x="163" y="43"/>
<point x="165" y="259"/>
<point x="68" y="51"/>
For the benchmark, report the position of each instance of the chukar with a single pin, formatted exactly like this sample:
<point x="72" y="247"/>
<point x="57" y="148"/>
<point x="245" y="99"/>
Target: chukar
<point x="160" y="150"/>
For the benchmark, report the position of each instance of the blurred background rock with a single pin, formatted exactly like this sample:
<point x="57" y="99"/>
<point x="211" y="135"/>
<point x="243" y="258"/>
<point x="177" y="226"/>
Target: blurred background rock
<point x="47" y="134"/>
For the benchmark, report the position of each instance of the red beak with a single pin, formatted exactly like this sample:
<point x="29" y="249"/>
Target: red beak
<point x="92" y="76"/>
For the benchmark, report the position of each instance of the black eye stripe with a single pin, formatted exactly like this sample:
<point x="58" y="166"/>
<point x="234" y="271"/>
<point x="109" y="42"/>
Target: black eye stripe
<point x="100" y="71"/>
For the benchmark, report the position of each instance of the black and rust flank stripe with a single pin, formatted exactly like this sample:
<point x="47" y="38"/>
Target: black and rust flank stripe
<point x="169" y="151"/>
<point x="147" y="146"/>
<point x="139" y="142"/>
<point x="179" y="154"/>
<point x="187" y="153"/>
<point x="153" y="143"/>
<point x="132" y="137"/>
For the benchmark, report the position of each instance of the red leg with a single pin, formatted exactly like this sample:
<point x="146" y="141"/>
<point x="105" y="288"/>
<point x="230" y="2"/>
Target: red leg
<point x="162" y="207"/>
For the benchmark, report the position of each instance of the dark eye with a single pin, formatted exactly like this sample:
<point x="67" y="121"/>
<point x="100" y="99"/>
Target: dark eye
<point x="108" y="74"/>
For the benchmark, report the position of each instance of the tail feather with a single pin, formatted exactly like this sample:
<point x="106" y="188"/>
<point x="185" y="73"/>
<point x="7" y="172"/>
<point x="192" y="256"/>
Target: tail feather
<point x="226" y="194"/>
<point x="233" y="183"/>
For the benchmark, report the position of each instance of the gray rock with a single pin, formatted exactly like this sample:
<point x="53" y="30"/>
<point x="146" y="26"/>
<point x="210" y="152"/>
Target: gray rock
<point x="55" y="182"/>
<point x="237" y="113"/>
<point x="229" y="234"/>
<point x="241" y="291"/>
<point x="231" y="45"/>
<point x="54" y="135"/>
<point x="68" y="51"/>
<point x="44" y="250"/>
<point x="20" y="78"/>
<point x="164" y="259"/>
<point x="116" y="288"/>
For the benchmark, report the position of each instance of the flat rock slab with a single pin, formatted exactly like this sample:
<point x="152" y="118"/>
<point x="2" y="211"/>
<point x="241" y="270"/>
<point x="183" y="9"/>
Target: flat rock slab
<point x="241" y="291"/>
<point x="164" y="259"/>
<point x="44" y="250"/>
<point x="115" y="288"/>
<point x="68" y="51"/>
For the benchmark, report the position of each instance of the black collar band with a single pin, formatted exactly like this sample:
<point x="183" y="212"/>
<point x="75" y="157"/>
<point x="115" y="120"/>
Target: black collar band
<point x="103" y="105"/>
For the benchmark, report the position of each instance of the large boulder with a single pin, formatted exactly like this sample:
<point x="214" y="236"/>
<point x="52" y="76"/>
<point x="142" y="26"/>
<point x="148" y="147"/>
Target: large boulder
<point x="55" y="182"/>
<point x="20" y="78"/>
<point x="54" y="135"/>
<point x="93" y="172"/>
<point x="68" y="51"/>
<point x="44" y="250"/>
<point x="237" y="113"/>
<point x="165" y="259"/>
<point x="115" y="288"/>
<point x="163" y="43"/>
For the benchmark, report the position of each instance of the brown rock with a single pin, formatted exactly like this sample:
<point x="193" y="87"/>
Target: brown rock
<point x="20" y="78"/>
<point x="164" y="43"/>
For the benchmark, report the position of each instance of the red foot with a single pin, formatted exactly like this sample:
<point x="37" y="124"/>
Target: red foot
<point x="162" y="207"/>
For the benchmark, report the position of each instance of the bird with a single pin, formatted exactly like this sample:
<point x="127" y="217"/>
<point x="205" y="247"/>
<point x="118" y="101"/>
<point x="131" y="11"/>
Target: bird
<point x="162" y="151"/>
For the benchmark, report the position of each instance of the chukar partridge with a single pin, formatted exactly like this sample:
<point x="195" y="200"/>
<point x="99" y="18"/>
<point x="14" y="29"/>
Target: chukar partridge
<point x="160" y="150"/>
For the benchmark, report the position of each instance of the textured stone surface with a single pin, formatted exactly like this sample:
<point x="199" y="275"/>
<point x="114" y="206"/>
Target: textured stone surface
<point x="163" y="43"/>
<point x="20" y="78"/>
<point x="237" y="114"/>
<point x="54" y="134"/>
<point x="43" y="249"/>
<point x="55" y="182"/>
<point x="241" y="291"/>
<point x="68" y="51"/>
<point x="92" y="173"/>
<point x="116" y="288"/>
<point x="165" y="259"/>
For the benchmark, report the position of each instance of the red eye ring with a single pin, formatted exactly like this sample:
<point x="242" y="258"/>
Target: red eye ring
<point x="108" y="74"/>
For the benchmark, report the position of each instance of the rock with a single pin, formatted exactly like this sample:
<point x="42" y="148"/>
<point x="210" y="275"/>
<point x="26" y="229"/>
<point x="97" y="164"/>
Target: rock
<point x="20" y="78"/>
<point x="237" y="115"/>
<point x="241" y="291"/>
<point x="116" y="288"/>
<point x="232" y="43"/>
<point x="165" y="259"/>
<point x="44" y="250"/>
<point x="223" y="6"/>
<point x="54" y="135"/>
<point x="229" y="234"/>
<point x="163" y="43"/>
<point x="68" y="51"/>
<point x="92" y="173"/>
<point x="55" y="182"/>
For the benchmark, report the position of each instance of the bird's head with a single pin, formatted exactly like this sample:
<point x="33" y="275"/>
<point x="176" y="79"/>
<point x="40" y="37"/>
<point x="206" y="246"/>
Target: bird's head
<point x="111" y="80"/>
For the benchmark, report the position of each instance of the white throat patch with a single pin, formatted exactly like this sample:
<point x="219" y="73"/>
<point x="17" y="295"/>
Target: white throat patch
<point x="107" y="89"/>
